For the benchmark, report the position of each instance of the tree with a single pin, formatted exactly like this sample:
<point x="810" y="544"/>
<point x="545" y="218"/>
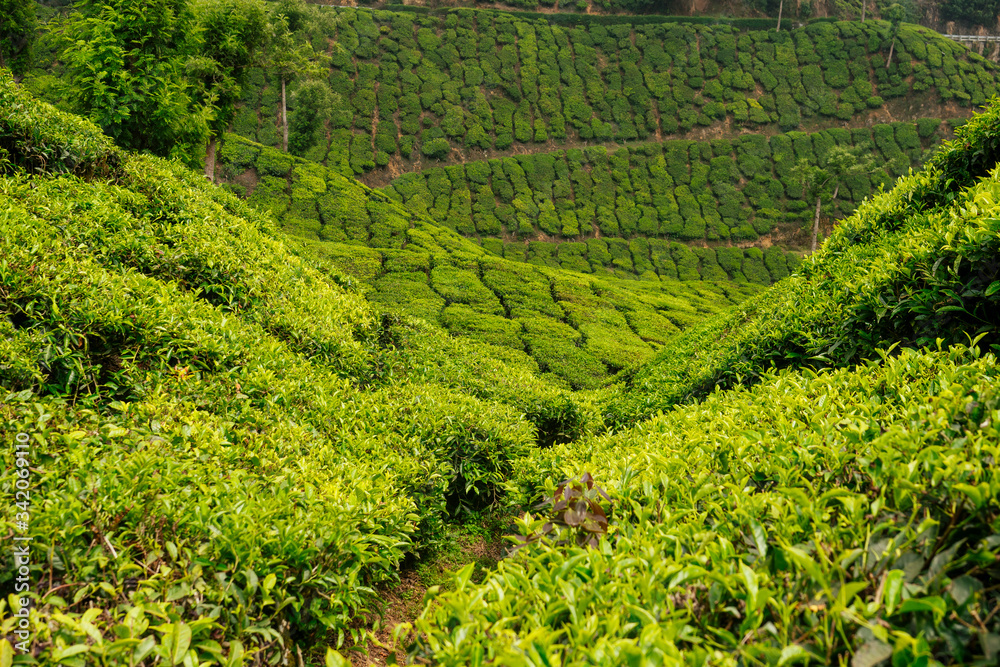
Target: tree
<point x="18" y="30"/>
<point x="896" y="13"/>
<point x="849" y="8"/>
<point x="781" y="7"/>
<point x="313" y="106"/>
<point x="976" y="12"/>
<point x="839" y="164"/>
<point x="125" y="63"/>
<point x="233" y="32"/>
<point x="291" y="58"/>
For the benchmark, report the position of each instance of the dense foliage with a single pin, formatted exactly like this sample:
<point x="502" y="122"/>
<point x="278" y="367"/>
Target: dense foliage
<point x="893" y="273"/>
<point x="17" y="34"/>
<point x="821" y="516"/>
<point x="244" y="416"/>
<point x="317" y="203"/>
<point x="579" y="329"/>
<point x="420" y="87"/>
<point x="977" y="12"/>
<point x="228" y="450"/>
<point x="719" y="191"/>
<point x="36" y="138"/>
<point x="126" y="63"/>
<point x="830" y="518"/>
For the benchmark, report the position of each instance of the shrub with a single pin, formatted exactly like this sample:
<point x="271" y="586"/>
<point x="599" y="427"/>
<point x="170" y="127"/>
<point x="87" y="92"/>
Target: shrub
<point x="774" y="261"/>
<point x="686" y="261"/>
<point x="753" y="267"/>
<point x="436" y="149"/>
<point x="730" y="259"/>
<point x="926" y="127"/>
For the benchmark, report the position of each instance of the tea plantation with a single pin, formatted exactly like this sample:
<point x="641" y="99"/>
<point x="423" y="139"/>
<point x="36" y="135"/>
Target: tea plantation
<point x="228" y="451"/>
<point x="693" y="191"/>
<point x="578" y="329"/>
<point x="838" y="503"/>
<point x="574" y="316"/>
<point x="465" y="84"/>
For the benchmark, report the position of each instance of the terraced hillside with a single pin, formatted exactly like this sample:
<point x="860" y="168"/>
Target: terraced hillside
<point x="747" y="191"/>
<point x="838" y="504"/>
<point x="579" y="329"/>
<point x="228" y="450"/>
<point x="476" y="84"/>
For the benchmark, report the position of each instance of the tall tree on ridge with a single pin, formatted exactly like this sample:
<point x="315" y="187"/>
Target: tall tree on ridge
<point x="291" y="59"/>
<point x="895" y="14"/>
<point x="314" y="103"/>
<point x="233" y="34"/>
<point x="837" y="165"/>
<point x="126" y="62"/>
<point x="18" y="27"/>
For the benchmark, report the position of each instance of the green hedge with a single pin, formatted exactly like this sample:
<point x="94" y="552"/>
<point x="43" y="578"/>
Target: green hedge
<point x="37" y="138"/>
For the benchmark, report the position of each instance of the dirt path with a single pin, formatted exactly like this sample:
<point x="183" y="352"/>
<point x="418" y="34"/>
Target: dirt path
<point x="403" y="602"/>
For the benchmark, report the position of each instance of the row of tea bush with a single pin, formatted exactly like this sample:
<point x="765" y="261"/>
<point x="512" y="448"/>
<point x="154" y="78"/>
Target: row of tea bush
<point x="415" y="87"/>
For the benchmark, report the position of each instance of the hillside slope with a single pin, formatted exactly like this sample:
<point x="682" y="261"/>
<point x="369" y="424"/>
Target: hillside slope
<point x="578" y="329"/>
<point x="820" y="516"/>
<point x="478" y="84"/>
<point x="912" y="266"/>
<point x="227" y="452"/>
<point x="228" y="449"/>
<point x="720" y="193"/>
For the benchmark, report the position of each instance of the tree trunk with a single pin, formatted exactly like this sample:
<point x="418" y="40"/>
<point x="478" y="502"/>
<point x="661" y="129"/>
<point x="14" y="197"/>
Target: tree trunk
<point x="891" y="49"/>
<point x="816" y="224"/>
<point x="284" y="118"/>
<point x="864" y="6"/>
<point x="781" y="6"/>
<point x="210" y="160"/>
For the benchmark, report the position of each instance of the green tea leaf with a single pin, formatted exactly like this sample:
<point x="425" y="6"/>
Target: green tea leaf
<point x="144" y="648"/>
<point x="933" y="604"/>
<point x="759" y="537"/>
<point x="176" y="641"/>
<point x="6" y="653"/>
<point x="334" y="659"/>
<point x="871" y="653"/>
<point x="893" y="590"/>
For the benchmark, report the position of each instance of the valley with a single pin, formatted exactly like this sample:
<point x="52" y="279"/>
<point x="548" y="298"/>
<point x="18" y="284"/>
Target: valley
<point x="463" y="336"/>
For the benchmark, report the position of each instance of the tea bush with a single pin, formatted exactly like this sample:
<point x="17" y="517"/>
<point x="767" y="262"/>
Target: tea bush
<point x="40" y="139"/>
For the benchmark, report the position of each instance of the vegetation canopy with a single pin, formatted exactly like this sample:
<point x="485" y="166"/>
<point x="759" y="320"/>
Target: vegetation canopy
<point x="570" y="303"/>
